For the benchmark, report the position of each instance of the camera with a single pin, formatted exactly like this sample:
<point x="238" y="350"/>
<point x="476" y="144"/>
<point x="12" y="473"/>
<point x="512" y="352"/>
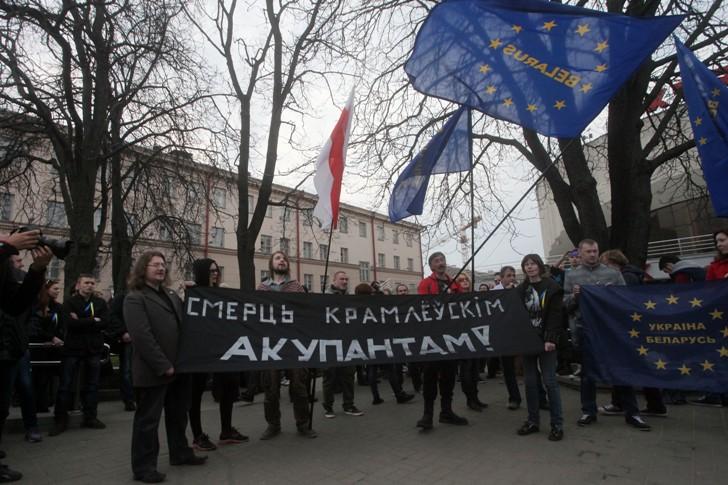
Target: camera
<point x="59" y="247"/>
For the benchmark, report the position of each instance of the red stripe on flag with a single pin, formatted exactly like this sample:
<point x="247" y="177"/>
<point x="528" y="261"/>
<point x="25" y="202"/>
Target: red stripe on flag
<point x="336" y="163"/>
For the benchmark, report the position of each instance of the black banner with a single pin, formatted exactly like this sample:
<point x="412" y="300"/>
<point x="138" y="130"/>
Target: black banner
<point x="232" y="330"/>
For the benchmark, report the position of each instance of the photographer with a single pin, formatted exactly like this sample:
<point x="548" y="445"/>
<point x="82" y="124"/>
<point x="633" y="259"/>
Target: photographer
<point x="16" y="298"/>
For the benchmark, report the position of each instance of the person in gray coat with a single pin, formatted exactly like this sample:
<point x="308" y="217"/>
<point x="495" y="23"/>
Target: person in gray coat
<point x="153" y="315"/>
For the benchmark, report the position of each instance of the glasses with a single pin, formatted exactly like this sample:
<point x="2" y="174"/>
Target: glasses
<point x="214" y="271"/>
<point x="157" y="265"/>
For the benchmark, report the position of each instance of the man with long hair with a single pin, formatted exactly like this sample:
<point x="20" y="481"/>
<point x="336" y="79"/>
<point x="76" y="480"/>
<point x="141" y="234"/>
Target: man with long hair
<point x="280" y="280"/>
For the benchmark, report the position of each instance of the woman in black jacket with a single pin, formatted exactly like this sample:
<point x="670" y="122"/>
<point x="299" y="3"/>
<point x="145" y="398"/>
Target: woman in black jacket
<point x="47" y="327"/>
<point x="543" y="299"/>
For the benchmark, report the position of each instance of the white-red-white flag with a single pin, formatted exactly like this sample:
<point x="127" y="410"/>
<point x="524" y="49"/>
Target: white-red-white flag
<point x="330" y="168"/>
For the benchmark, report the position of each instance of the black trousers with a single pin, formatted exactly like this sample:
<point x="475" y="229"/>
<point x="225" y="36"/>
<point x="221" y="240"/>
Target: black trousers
<point x="469" y="377"/>
<point x="173" y="398"/>
<point x="440" y="373"/>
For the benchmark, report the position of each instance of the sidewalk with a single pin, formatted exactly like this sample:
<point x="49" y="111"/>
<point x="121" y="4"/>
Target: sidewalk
<point x="688" y="447"/>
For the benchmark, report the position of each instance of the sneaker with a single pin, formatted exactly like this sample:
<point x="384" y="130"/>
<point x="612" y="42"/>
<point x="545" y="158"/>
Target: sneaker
<point x="405" y="398"/>
<point x="58" y="427"/>
<point x="232" y="437"/>
<point x="329" y="412"/>
<point x="33" y="436"/>
<point x="9" y="475"/>
<point x="474" y="406"/>
<point x="270" y="432"/>
<point x="648" y="412"/>
<point x="129" y="406"/>
<point x="513" y="405"/>
<point x="353" y="411"/>
<point x="556" y="434"/>
<point x="193" y="460"/>
<point x="638" y="423"/>
<point x="706" y="401"/>
<point x="92" y="423"/>
<point x="527" y="428"/>
<point x="611" y="410"/>
<point x="307" y="433"/>
<point x="377" y="401"/>
<point x="150" y="477"/>
<point x="481" y="403"/>
<point x="586" y="419"/>
<point x="247" y="399"/>
<point x="203" y="443"/>
<point x="425" y="422"/>
<point x="285" y="382"/>
<point x="449" y="417"/>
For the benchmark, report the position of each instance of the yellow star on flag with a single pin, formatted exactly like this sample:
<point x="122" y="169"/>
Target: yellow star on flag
<point x="716" y="92"/>
<point x="485" y="68"/>
<point x="703" y="140"/>
<point x="583" y="29"/>
<point x="717" y="315"/>
<point x="696" y="303"/>
<point x="724" y="331"/>
<point x="684" y="370"/>
<point x="508" y="102"/>
<point x="560" y="104"/>
<point x="586" y="87"/>
<point x="601" y="68"/>
<point x="672" y="300"/>
<point x="707" y="366"/>
<point x="698" y="121"/>
<point x="650" y="305"/>
<point x="636" y="317"/>
<point x="517" y="29"/>
<point x="634" y="333"/>
<point x="549" y="25"/>
<point x="661" y="364"/>
<point x="495" y="43"/>
<point x="722" y="351"/>
<point x="642" y="350"/>
<point x="532" y="108"/>
<point x="601" y="46"/>
<point x="490" y="89"/>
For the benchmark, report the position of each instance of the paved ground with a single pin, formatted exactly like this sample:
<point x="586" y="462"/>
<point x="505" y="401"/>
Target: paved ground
<point x="688" y="447"/>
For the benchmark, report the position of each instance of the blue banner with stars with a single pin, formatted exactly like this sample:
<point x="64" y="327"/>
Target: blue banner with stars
<point x="542" y="65"/>
<point x="665" y="336"/>
<point x="707" y="100"/>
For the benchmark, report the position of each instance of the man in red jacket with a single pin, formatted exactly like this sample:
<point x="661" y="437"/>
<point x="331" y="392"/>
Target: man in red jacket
<point x="443" y="371"/>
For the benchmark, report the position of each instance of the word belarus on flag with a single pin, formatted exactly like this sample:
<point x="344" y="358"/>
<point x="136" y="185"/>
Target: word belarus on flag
<point x="450" y="150"/>
<point x="707" y="100"/>
<point x="542" y="65"/>
<point x="330" y="168"/>
<point x="231" y="330"/>
<point x="664" y="336"/>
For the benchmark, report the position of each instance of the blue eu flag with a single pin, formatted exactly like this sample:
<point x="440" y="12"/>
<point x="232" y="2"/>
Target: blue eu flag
<point x="542" y="65"/>
<point x="707" y="100"/>
<point x="448" y="151"/>
<point x="665" y="336"/>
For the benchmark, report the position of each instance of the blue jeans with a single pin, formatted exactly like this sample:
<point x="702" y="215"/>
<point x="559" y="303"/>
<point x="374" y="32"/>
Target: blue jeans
<point x="548" y="362"/>
<point x="125" y="384"/>
<point x="89" y="391"/>
<point x="17" y="374"/>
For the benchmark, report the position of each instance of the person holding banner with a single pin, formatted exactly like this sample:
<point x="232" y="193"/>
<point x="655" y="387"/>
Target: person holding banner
<point x="441" y="372"/>
<point x="153" y="314"/>
<point x="543" y="299"/>
<point x="469" y="369"/>
<point x="280" y="280"/>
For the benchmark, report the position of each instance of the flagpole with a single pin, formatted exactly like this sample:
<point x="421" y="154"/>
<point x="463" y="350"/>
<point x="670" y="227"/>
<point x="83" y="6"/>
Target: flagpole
<point x="472" y="203"/>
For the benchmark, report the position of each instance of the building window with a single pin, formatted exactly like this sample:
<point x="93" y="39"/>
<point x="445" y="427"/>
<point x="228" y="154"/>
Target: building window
<point x="218" y="197"/>
<point x="308" y="217"/>
<point x="195" y="232"/>
<point x="285" y="245"/>
<point x="54" y="269"/>
<point x="133" y="223"/>
<point x="322" y="282"/>
<point x="380" y="232"/>
<point x="363" y="271"/>
<point x="266" y="244"/>
<point x="97" y="219"/>
<point x="251" y="204"/>
<point x="345" y="255"/>
<point x="165" y="233"/>
<point x="307" y="250"/>
<point x="410" y="264"/>
<point x="408" y="240"/>
<point x="323" y="251"/>
<point x="286" y="215"/>
<point x="362" y="229"/>
<point x="380" y="260"/>
<point x="56" y="215"/>
<point x="264" y="275"/>
<point x="217" y="237"/>
<point x="395" y="236"/>
<point x="343" y="225"/>
<point x="396" y="262"/>
<point x="6" y="206"/>
<point x="269" y="211"/>
<point x="308" y="281"/>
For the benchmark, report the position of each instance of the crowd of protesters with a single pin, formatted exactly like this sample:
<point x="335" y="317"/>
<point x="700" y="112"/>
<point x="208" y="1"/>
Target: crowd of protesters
<point x="142" y="327"/>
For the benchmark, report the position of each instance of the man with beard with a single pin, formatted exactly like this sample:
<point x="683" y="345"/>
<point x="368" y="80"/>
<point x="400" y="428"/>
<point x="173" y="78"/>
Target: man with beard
<point x="280" y="280"/>
<point x="441" y="372"/>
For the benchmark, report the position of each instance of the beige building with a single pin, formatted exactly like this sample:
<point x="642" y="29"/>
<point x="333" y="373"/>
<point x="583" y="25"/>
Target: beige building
<point x="365" y="244"/>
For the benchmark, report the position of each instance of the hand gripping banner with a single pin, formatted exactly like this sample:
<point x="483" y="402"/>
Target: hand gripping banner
<point x="227" y="330"/>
